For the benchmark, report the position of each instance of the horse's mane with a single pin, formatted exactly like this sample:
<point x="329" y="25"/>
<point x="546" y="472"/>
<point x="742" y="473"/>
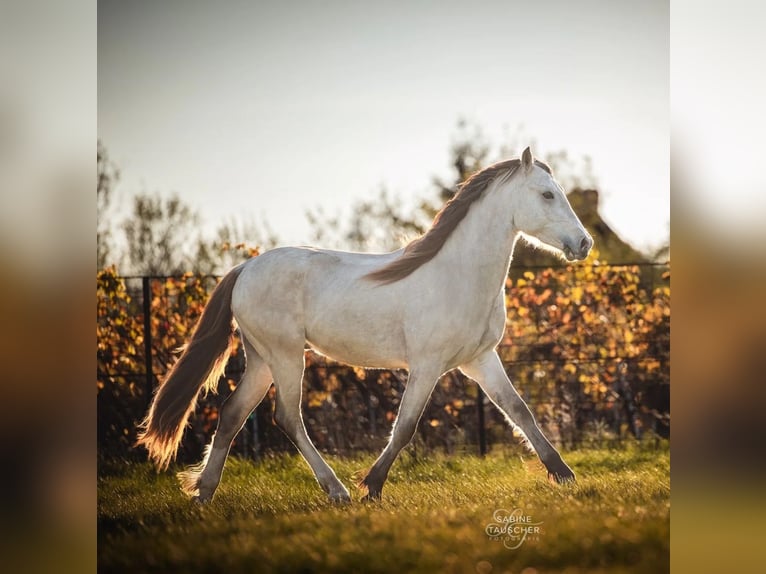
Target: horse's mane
<point x="424" y="248"/>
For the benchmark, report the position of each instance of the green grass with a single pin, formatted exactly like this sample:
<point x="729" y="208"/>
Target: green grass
<point x="271" y="516"/>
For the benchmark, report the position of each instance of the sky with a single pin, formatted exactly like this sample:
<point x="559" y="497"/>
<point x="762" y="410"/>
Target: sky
<point x="263" y="110"/>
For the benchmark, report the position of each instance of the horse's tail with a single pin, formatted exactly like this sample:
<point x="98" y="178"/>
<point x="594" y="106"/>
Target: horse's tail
<point x="200" y="365"/>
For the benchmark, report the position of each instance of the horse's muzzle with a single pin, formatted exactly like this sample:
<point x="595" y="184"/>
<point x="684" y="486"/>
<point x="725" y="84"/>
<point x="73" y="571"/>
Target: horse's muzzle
<point x="580" y="251"/>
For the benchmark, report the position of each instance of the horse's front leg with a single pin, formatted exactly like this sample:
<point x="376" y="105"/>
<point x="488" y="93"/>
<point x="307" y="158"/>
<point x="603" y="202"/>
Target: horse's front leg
<point x="488" y="371"/>
<point x="420" y="385"/>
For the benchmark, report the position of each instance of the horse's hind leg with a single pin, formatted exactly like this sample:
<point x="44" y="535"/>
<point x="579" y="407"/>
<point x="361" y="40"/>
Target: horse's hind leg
<point x="288" y="379"/>
<point x="202" y="480"/>
<point x="420" y="385"/>
<point x="488" y="371"/>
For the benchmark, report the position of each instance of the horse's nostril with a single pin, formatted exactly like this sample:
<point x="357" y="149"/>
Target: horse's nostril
<point x="585" y="244"/>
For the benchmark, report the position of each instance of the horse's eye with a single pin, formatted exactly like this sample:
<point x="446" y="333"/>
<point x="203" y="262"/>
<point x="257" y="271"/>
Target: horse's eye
<point x="548" y="195"/>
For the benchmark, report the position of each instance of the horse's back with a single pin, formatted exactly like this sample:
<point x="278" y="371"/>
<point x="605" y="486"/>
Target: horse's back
<point x="297" y="264"/>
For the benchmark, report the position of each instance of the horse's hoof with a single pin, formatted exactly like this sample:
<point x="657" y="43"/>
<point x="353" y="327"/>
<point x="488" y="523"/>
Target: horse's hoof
<point x="371" y="497"/>
<point x="340" y="498"/>
<point x="562" y="476"/>
<point x="201" y="501"/>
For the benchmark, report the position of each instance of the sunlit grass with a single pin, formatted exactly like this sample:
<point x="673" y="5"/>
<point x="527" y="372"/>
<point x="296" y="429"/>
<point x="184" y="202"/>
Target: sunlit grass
<point x="271" y="516"/>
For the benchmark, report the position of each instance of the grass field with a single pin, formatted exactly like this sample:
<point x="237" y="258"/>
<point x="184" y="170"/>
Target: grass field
<point x="271" y="516"/>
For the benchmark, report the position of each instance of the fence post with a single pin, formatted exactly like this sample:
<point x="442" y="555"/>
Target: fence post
<point x="482" y="430"/>
<point x="148" y="339"/>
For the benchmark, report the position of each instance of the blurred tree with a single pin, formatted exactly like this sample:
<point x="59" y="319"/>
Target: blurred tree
<point x="234" y="241"/>
<point x="471" y="151"/>
<point x="161" y="235"/>
<point x="157" y="234"/>
<point x="378" y="224"/>
<point x="107" y="177"/>
<point x="384" y="223"/>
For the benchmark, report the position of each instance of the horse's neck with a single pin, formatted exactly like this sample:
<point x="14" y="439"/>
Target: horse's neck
<point x="484" y="240"/>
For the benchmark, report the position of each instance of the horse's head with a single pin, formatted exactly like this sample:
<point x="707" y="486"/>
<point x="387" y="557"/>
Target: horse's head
<point x="543" y="212"/>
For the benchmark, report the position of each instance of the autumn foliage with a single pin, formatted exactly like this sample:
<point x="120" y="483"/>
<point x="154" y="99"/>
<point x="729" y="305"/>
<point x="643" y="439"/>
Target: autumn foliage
<point x="590" y="345"/>
<point x="587" y="345"/>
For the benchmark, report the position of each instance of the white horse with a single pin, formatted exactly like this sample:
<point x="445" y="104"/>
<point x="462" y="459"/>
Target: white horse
<point x="435" y="305"/>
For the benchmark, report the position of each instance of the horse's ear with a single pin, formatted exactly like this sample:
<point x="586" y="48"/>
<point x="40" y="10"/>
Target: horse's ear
<point x="527" y="161"/>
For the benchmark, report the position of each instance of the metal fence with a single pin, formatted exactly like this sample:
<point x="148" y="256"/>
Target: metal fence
<point x="355" y="408"/>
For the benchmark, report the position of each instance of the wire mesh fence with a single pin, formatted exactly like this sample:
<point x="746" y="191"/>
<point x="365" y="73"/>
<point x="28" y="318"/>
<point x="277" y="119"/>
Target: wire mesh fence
<point x="586" y="346"/>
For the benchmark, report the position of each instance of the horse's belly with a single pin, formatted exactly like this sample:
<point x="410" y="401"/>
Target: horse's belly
<point x="360" y="351"/>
